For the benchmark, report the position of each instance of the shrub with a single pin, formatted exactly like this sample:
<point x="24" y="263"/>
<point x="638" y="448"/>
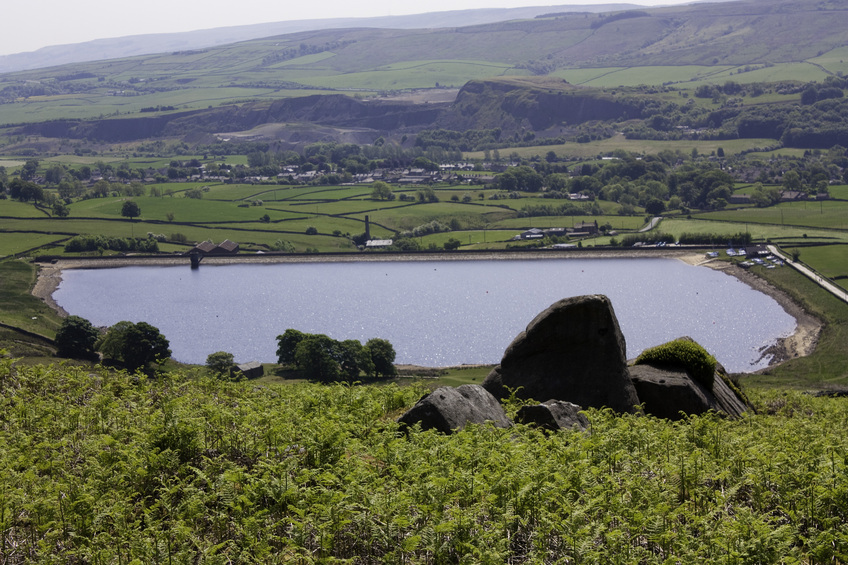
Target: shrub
<point x="683" y="353"/>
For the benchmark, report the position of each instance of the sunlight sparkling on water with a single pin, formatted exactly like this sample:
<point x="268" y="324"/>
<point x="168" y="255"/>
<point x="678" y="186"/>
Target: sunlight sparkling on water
<point x="435" y="313"/>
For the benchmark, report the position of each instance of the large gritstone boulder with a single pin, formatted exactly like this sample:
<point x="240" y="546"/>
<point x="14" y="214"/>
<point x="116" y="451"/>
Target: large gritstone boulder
<point x="680" y="377"/>
<point x="672" y="393"/>
<point x="572" y="351"/>
<point x="553" y="415"/>
<point x="447" y="409"/>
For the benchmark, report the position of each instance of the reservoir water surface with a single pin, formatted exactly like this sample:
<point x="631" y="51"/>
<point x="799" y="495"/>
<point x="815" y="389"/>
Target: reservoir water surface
<point x="435" y="313"/>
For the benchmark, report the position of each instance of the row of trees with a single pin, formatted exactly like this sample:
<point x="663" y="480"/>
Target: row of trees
<point x="322" y="358"/>
<point x="134" y="345"/>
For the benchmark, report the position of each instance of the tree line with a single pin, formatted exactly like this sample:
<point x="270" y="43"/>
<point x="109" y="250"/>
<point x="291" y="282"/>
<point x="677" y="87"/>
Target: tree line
<point x="138" y="346"/>
<point x="321" y="358"/>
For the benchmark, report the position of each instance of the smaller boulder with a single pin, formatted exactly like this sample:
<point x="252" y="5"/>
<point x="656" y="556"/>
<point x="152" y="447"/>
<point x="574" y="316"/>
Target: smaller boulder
<point x="447" y="409"/>
<point x="672" y="393"/>
<point x="679" y="378"/>
<point x="553" y="415"/>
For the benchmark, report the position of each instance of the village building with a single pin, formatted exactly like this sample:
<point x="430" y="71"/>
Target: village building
<point x="251" y="370"/>
<point x="590" y="228"/>
<point x="759" y="250"/>
<point x="739" y="199"/>
<point x="533" y="233"/>
<point x="378" y="243"/>
<point x="226" y="247"/>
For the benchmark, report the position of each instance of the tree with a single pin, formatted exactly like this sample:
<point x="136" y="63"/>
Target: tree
<point x="29" y="169"/>
<point x="315" y="356"/>
<point x="220" y="363"/>
<point x="452" y="244"/>
<point x="792" y="181"/>
<point x="287" y="344"/>
<point x="354" y="358"/>
<point x="25" y="191"/>
<point x="60" y="210"/>
<point x="130" y="210"/>
<point x="76" y="338"/>
<point x="144" y="345"/>
<point x="383" y="356"/>
<point x="655" y="206"/>
<point x="54" y="174"/>
<point x="381" y="191"/>
<point x="136" y="345"/>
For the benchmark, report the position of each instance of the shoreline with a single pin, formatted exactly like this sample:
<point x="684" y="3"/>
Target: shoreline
<point x="800" y="343"/>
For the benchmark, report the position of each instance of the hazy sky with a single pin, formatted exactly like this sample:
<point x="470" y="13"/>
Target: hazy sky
<point x="31" y="25"/>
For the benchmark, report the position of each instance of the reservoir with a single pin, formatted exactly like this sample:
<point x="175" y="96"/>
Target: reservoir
<point x="435" y="313"/>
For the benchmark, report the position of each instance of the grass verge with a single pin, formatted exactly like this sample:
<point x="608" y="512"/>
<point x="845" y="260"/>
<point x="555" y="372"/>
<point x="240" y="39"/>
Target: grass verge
<point x="827" y="367"/>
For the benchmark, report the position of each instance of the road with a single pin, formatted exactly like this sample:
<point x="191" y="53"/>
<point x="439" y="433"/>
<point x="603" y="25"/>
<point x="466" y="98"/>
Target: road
<point x="812" y="275"/>
<point x="652" y="224"/>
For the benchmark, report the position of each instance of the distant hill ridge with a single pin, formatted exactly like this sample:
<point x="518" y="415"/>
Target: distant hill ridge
<point x="147" y="44"/>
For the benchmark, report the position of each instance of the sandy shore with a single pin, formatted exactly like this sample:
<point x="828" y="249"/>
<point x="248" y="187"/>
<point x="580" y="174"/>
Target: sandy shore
<point x="801" y="343"/>
<point x="808" y="327"/>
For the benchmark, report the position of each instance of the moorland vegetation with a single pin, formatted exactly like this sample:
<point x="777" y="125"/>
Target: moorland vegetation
<point x="732" y="138"/>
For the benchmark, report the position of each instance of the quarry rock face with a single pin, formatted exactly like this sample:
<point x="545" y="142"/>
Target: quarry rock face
<point x="572" y="351"/>
<point x="553" y="415"/>
<point x="447" y="409"/>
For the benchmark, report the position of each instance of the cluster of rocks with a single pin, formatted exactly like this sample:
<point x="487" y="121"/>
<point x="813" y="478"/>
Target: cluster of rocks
<point x="573" y="355"/>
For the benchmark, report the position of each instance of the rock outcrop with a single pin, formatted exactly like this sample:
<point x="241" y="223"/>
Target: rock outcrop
<point x="447" y="409"/>
<point x="572" y="351"/>
<point x="553" y="415"/>
<point x="667" y="392"/>
<point x="573" y="355"/>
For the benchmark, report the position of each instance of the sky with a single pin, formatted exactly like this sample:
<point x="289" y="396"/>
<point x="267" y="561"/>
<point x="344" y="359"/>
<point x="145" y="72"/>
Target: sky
<point x="32" y="25"/>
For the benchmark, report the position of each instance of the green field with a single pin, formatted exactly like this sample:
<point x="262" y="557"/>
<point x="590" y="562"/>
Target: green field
<point x="829" y="260"/>
<point x="638" y="146"/>
<point x="758" y="232"/>
<point x="413" y="74"/>
<point x="828" y="214"/>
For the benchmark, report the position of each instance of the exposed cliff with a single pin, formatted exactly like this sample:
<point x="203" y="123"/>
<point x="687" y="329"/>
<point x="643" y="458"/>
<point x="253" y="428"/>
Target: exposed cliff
<point x="532" y="103"/>
<point x="512" y="104"/>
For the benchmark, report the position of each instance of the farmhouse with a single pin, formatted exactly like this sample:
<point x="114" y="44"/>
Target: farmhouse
<point x="251" y="370"/>
<point x="792" y="195"/>
<point x="590" y="228"/>
<point x="739" y="199"/>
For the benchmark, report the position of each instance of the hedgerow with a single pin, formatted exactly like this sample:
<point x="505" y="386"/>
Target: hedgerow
<point x="107" y="467"/>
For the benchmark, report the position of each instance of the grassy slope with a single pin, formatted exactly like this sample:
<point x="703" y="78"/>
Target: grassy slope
<point x="827" y="366"/>
<point x="108" y="467"/>
<point x="19" y="309"/>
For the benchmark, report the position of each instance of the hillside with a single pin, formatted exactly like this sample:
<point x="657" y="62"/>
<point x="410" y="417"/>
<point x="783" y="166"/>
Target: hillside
<point x="99" y="466"/>
<point x="350" y="84"/>
<point x="130" y="46"/>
